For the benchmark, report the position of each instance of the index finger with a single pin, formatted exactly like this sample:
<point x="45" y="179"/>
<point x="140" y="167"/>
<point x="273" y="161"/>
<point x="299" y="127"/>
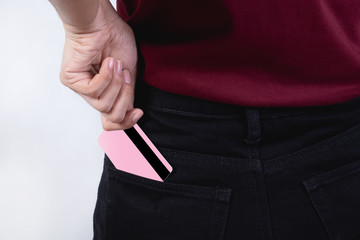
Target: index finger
<point x="95" y="86"/>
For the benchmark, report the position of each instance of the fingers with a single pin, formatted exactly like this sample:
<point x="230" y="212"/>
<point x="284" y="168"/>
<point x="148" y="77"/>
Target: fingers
<point x="94" y="87"/>
<point x="119" y="117"/>
<point x="131" y="117"/>
<point x="110" y="94"/>
<point x="124" y="99"/>
<point x="104" y="103"/>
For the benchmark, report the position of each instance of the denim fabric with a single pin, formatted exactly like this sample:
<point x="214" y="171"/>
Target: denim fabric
<point x="244" y="173"/>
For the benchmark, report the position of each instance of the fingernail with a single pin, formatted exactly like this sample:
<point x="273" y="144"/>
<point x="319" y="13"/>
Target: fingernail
<point x="136" y="117"/>
<point x="118" y="68"/>
<point x="111" y="63"/>
<point x="127" y="76"/>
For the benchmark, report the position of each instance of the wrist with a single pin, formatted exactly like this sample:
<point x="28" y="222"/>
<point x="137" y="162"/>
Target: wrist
<point x="103" y="16"/>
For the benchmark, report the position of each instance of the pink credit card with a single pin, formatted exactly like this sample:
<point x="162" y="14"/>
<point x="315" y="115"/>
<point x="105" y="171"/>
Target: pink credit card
<point x="130" y="150"/>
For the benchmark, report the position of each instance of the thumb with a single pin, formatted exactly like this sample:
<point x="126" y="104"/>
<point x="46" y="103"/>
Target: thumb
<point x="136" y="115"/>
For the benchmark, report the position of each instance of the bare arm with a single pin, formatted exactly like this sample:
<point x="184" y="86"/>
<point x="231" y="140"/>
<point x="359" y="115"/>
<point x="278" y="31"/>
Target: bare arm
<point x="100" y="59"/>
<point x="78" y="13"/>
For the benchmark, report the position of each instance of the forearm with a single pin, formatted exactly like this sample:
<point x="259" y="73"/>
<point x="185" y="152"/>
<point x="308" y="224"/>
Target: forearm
<point x="79" y="14"/>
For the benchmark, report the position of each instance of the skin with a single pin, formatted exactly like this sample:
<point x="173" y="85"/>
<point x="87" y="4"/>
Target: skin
<point x="99" y="55"/>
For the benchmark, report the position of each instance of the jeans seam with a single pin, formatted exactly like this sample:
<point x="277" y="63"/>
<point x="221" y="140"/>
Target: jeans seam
<point x="261" y="190"/>
<point x="194" y="114"/>
<point x="220" y="115"/>
<point x="212" y="232"/>
<point x="332" y="176"/>
<point x="308" y="153"/>
<point x="259" y="222"/>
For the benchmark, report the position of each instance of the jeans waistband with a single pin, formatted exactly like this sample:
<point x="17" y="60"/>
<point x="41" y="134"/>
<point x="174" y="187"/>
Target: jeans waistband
<point x="147" y="95"/>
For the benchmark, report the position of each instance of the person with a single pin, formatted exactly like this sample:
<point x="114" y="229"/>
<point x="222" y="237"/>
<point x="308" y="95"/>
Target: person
<point x="255" y="105"/>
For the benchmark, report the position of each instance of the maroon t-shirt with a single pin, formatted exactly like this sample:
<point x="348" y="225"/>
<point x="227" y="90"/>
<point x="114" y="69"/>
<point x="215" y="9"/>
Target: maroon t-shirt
<point x="250" y="52"/>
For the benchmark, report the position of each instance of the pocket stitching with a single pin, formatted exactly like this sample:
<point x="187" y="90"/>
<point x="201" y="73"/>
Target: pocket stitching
<point x="215" y="203"/>
<point x="224" y="221"/>
<point x="333" y="175"/>
<point x="308" y="153"/>
<point x="223" y="161"/>
<point x="334" y="230"/>
<point x="212" y="216"/>
<point x="316" y="183"/>
<point x="207" y="192"/>
<point x="329" y="225"/>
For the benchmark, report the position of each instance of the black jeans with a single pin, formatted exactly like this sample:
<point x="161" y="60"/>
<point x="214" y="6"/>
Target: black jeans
<point x="252" y="173"/>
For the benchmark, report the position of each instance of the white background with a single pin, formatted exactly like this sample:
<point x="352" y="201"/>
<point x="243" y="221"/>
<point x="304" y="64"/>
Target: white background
<point x="50" y="161"/>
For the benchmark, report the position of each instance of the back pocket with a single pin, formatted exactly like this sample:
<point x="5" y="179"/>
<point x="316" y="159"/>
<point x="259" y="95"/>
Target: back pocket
<point x="335" y="195"/>
<point x="142" y="208"/>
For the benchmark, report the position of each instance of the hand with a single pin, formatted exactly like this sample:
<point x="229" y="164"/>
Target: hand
<point x="96" y="61"/>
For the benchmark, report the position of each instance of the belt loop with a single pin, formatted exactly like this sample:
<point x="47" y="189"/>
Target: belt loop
<point x="253" y="123"/>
